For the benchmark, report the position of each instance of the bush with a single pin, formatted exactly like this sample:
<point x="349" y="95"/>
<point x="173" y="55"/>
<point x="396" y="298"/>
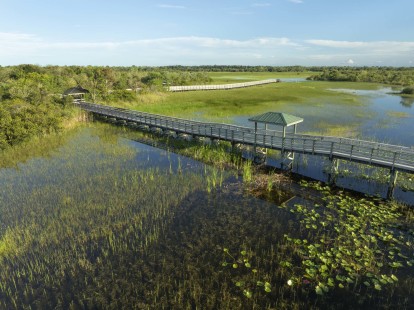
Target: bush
<point x="122" y="95"/>
<point x="408" y="90"/>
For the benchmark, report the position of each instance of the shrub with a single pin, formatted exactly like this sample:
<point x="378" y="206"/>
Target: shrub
<point x="408" y="90"/>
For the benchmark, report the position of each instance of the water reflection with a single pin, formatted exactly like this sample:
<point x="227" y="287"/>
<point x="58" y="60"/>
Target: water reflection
<point x="407" y="102"/>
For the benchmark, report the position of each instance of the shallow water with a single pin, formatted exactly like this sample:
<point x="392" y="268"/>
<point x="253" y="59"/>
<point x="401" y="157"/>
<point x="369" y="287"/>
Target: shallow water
<point x="384" y="117"/>
<point x="393" y="116"/>
<point x="107" y="222"/>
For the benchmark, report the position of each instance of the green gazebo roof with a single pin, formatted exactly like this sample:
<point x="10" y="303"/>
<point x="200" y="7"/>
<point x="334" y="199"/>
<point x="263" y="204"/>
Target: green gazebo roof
<point x="276" y="118"/>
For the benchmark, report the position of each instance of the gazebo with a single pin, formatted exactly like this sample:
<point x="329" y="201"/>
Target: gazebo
<point x="276" y="118"/>
<point x="76" y="92"/>
<point x="279" y="119"/>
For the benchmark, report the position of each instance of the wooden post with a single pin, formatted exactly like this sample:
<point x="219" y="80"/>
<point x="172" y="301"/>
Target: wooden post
<point x="255" y="138"/>
<point x="333" y="173"/>
<point x="393" y="182"/>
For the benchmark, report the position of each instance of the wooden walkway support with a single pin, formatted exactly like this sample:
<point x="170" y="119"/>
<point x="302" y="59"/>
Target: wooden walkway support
<point x="393" y="157"/>
<point x="221" y="86"/>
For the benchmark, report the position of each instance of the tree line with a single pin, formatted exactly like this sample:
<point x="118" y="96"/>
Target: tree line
<point x="403" y="76"/>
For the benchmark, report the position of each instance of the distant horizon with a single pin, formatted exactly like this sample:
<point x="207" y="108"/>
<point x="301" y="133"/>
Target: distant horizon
<point x="216" y="65"/>
<point x="183" y="32"/>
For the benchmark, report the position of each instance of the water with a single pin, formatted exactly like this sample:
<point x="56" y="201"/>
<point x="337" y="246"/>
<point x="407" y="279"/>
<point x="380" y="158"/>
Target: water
<point x="384" y="117"/>
<point x="107" y="222"/>
<point x="392" y="116"/>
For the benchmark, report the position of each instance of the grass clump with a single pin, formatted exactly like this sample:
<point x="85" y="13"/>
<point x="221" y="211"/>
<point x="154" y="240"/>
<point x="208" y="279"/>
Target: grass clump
<point x="398" y="114"/>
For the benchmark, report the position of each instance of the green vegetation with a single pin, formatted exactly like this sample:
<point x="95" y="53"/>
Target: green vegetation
<point x="31" y="102"/>
<point x="398" y="114"/>
<point x="250" y="101"/>
<point x="239" y="77"/>
<point x="408" y="90"/>
<point x="76" y="219"/>
<point x="354" y="243"/>
<point x="385" y="75"/>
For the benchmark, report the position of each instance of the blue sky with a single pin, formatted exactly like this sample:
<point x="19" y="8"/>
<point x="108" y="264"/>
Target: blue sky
<point x="208" y="32"/>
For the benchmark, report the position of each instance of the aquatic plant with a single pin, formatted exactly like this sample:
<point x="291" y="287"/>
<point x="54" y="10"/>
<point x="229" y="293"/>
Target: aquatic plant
<point x="78" y="211"/>
<point x="354" y="243"/>
<point x="247" y="171"/>
<point x="250" y="282"/>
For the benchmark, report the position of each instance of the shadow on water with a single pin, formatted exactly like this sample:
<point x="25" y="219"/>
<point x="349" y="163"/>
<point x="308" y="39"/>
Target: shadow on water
<point x="365" y="179"/>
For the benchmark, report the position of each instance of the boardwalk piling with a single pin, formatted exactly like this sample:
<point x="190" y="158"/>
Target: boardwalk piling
<point x="393" y="182"/>
<point x="333" y="170"/>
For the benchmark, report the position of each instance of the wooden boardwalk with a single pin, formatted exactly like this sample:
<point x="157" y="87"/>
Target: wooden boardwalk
<point x="221" y="86"/>
<point x="393" y="157"/>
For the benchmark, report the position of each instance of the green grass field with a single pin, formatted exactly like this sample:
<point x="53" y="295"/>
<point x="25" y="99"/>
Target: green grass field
<point x="325" y="111"/>
<point x="236" y="77"/>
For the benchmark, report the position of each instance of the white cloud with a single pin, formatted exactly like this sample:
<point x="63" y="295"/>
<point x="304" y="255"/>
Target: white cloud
<point x="169" y="6"/>
<point x="31" y="41"/>
<point x="23" y="48"/>
<point x="261" y="4"/>
<point x="28" y="48"/>
<point x="296" y="1"/>
<point x="16" y="38"/>
<point x="350" y="61"/>
<point x="336" y="44"/>
<point x="375" y="47"/>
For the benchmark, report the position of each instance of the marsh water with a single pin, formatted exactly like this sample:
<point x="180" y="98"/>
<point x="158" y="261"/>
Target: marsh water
<point x="382" y="115"/>
<point x="105" y="222"/>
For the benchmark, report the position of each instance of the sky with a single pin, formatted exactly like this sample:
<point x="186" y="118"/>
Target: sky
<point x="208" y="32"/>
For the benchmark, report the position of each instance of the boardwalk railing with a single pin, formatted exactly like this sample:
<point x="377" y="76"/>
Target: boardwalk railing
<point x="222" y="86"/>
<point x="378" y="154"/>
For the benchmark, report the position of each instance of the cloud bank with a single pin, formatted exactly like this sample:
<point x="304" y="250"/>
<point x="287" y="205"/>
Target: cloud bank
<point x="192" y="50"/>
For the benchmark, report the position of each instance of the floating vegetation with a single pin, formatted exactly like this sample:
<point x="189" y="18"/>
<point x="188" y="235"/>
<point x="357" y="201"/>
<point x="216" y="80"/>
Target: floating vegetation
<point x="398" y="114"/>
<point x="249" y="282"/>
<point x="349" y="243"/>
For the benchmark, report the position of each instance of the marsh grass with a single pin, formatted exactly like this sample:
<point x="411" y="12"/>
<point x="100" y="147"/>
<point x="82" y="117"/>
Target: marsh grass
<point x="238" y="77"/>
<point x="398" y="114"/>
<point x="223" y="106"/>
<point x="76" y="210"/>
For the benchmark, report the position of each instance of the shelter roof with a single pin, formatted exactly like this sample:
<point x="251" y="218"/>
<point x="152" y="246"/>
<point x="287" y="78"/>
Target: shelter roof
<point x="276" y="118"/>
<point x="75" y="91"/>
